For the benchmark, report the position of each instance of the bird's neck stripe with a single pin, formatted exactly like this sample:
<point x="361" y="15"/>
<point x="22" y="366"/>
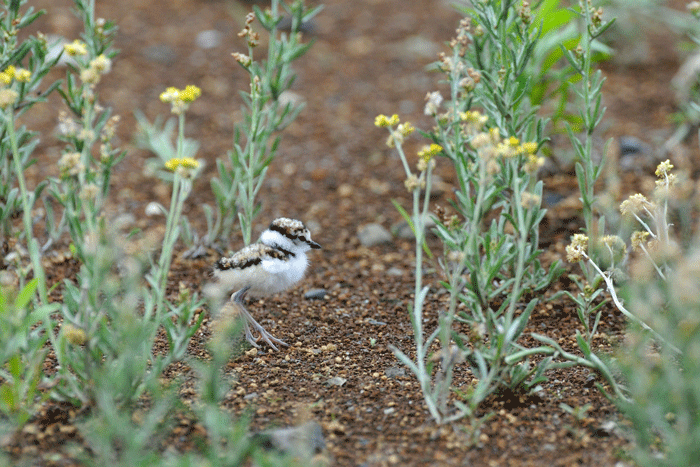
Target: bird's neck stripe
<point x="284" y="232"/>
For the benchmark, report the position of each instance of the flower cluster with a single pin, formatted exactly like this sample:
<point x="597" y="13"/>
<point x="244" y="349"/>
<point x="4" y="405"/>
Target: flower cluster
<point x="576" y="250"/>
<point x="428" y="152"/>
<point x="186" y="167"/>
<point x="180" y="99"/>
<point x="395" y="136"/>
<point x="382" y="121"/>
<point x="9" y="96"/>
<point x="635" y="204"/>
<point x="71" y="164"/>
<point x="490" y="146"/>
<point x="694" y="8"/>
<point x="76" y="48"/>
<point x="90" y="71"/>
<point x="426" y="156"/>
<point x="252" y="37"/>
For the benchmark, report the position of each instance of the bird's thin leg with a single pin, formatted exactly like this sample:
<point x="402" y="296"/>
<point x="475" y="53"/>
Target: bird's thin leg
<point x="250" y="321"/>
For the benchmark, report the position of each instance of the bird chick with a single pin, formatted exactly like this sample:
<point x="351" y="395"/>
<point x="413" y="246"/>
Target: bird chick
<point x="274" y="264"/>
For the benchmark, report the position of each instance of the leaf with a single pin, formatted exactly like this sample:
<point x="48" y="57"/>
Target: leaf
<point x="26" y="294"/>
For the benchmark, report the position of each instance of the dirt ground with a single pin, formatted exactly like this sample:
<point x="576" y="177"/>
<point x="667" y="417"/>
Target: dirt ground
<point x="334" y="173"/>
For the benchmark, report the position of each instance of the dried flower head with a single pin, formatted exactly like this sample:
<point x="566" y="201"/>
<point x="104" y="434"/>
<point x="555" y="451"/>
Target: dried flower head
<point x="243" y="59"/>
<point x="576" y="250"/>
<point x="413" y="182"/>
<point x="74" y="335"/>
<point x="89" y="76"/>
<point x="530" y="200"/>
<point x="109" y="130"/>
<point x="89" y="192"/>
<point x="638" y="239"/>
<point x="524" y="12"/>
<point x="480" y="140"/>
<point x="664" y="169"/>
<point x="70" y="164"/>
<point x="67" y="126"/>
<point x="533" y="163"/>
<point x="423" y="164"/>
<point x="432" y="104"/>
<point x="8" y="97"/>
<point x="101" y="64"/>
<point x="635" y="204"/>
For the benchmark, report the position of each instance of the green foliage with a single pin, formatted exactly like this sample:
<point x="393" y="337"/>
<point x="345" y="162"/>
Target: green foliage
<point x="116" y="330"/>
<point x="265" y="114"/>
<point x="22" y="352"/>
<point x="661" y="370"/>
<point x="490" y="247"/>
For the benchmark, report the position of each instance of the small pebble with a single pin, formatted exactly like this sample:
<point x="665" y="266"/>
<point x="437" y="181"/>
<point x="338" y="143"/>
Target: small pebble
<point x="316" y="294"/>
<point x="208" y="39"/>
<point x="374" y="234"/>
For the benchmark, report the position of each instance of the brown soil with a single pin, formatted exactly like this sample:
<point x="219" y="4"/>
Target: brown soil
<point x="334" y="172"/>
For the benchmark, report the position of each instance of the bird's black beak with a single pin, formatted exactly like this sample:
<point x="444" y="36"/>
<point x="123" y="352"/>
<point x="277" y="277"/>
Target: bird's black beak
<point x="314" y="245"/>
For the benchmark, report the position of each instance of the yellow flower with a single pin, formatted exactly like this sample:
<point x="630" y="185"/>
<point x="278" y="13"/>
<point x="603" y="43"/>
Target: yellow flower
<point x="530" y="147"/>
<point x="9" y="74"/>
<point x="180" y="99"/>
<point x="5" y="78"/>
<point x="189" y="163"/>
<point x="190" y="93"/>
<point x="513" y="141"/>
<point x="22" y="75"/>
<point x="381" y="121"/>
<point x="172" y="164"/>
<point x="428" y="152"/>
<point x="169" y="95"/>
<point x="474" y="119"/>
<point x="405" y="129"/>
<point x="77" y="47"/>
<point x="664" y="168"/>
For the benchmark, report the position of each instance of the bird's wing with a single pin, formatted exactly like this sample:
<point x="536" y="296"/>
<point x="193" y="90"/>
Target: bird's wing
<point x="250" y="256"/>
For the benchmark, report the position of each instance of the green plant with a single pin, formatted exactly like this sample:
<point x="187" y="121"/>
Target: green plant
<point x="23" y="352"/>
<point x="255" y="140"/>
<point x="592" y="111"/>
<point x="490" y="247"/>
<point x="24" y="65"/>
<point x="551" y="80"/>
<point x="659" y="358"/>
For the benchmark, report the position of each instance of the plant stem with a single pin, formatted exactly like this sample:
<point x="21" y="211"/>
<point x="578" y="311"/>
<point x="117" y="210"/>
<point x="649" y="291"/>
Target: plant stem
<point x="32" y="243"/>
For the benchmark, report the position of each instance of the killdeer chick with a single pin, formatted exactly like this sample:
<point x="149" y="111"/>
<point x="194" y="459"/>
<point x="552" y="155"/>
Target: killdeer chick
<point x="274" y="264"/>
